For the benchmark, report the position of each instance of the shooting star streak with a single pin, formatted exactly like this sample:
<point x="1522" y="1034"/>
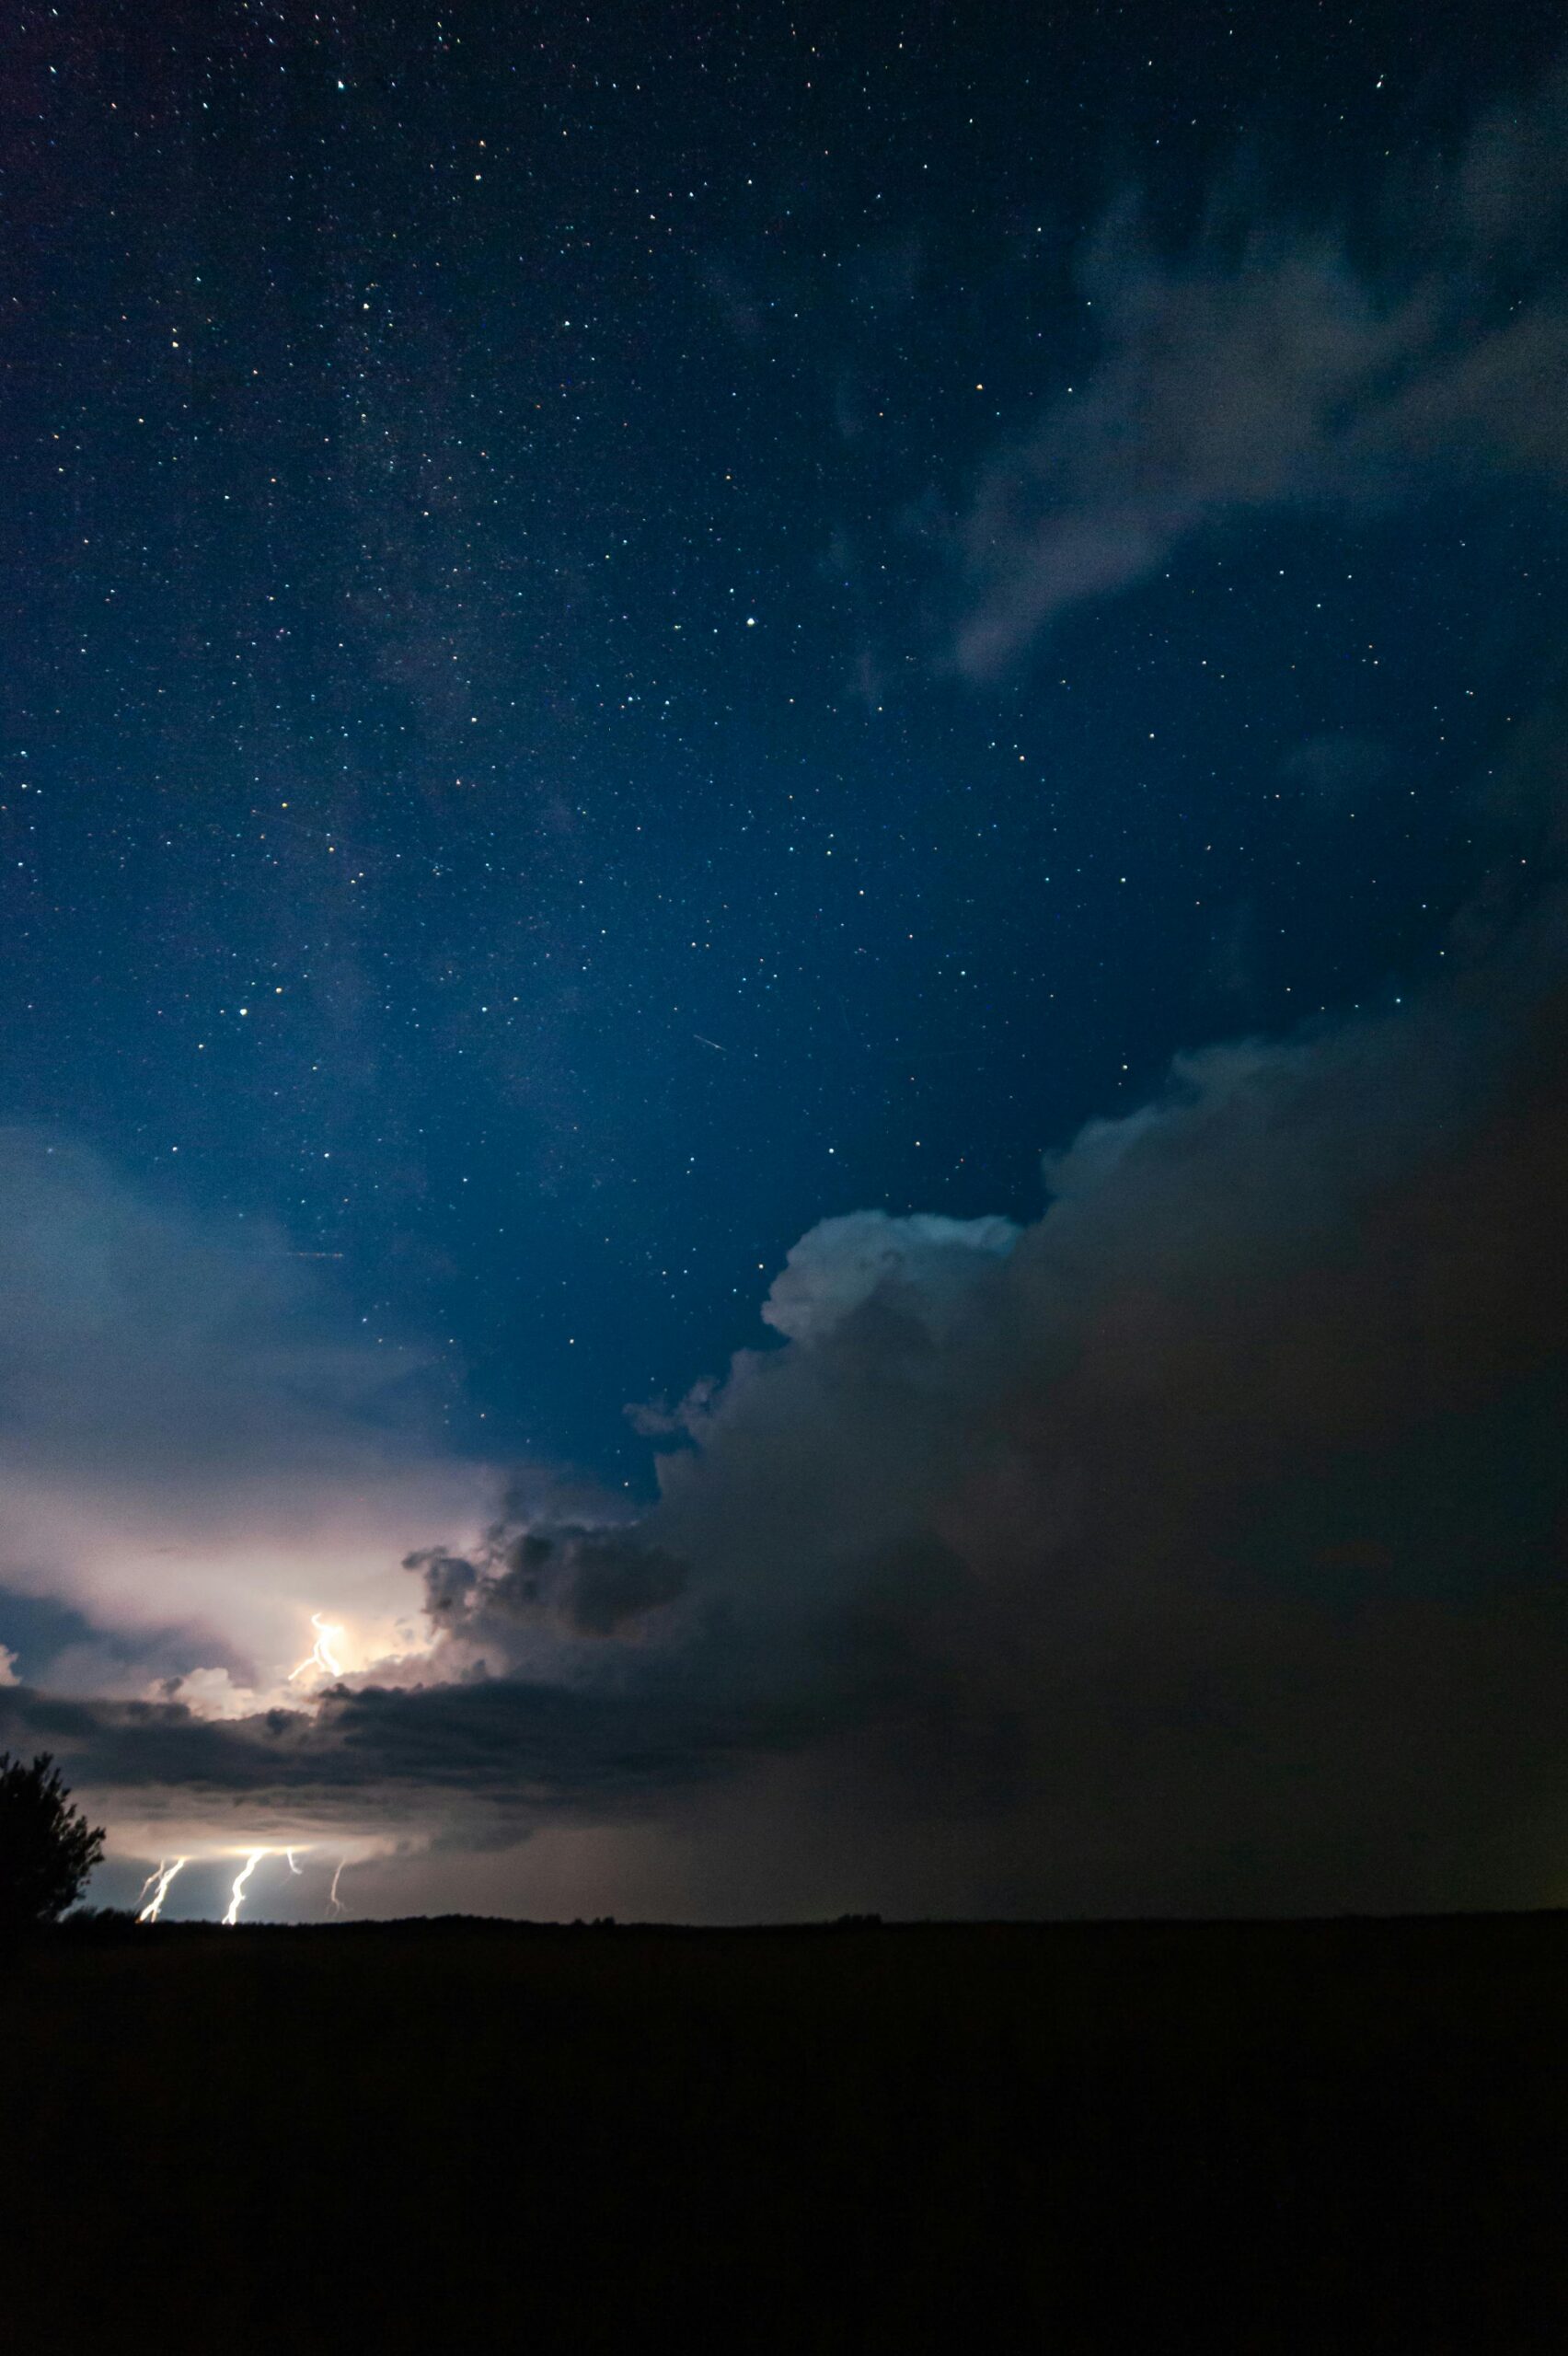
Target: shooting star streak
<point x="162" y="1878"/>
<point x="236" y="1897"/>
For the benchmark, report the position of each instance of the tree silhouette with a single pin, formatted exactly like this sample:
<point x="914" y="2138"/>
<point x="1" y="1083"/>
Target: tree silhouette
<point x="47" y="1847"/>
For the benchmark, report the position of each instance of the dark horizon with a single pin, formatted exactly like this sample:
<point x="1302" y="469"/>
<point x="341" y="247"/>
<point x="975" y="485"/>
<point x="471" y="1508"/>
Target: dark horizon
<point x="1217" y="2136"/>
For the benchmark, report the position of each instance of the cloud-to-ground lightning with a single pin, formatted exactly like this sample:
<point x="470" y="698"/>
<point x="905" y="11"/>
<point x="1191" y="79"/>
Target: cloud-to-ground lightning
<point x="157" y="1882"/>
<point x="237" y="1896"/>
<point x="333" y="1901"/>
<point x="321" y="1654"/>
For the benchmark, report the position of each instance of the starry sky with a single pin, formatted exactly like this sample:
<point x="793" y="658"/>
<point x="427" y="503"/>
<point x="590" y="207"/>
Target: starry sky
<point x="660" y="678"/>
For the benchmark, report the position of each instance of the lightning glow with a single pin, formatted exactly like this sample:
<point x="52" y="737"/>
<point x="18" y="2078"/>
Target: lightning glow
<point x="237" y="1896"/>
<point x="157" y="1882"/>
<point x="321" y="1654"/>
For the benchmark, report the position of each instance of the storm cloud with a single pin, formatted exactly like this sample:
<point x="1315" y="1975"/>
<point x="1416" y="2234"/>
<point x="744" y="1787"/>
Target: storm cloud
<point x="1197" y="1545"/>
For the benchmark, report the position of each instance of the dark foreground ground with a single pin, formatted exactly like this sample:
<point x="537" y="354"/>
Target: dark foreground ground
<point x="459" y="2136"/>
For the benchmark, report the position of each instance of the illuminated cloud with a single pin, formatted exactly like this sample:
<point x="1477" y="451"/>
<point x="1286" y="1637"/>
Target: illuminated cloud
<point x="193" y="1457"/>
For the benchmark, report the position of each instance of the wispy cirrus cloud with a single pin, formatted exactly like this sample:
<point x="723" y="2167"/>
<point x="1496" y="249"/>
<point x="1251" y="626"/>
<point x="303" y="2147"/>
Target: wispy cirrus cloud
<point x="1273" y="366"/>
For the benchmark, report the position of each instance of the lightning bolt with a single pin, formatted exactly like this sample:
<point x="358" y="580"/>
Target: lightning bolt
<point x="321" y="1654"/>
<point x="293" y="1867"/>
<point x="333" y="1901"/>
<point x="157" y="1883"/>
<point x="237" y="1896"/>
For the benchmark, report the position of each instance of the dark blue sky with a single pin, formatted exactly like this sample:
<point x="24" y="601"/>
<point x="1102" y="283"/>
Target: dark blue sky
<point x="487" y="778"/>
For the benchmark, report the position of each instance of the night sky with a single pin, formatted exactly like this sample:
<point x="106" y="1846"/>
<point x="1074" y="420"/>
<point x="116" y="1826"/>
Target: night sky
<point x="623" y="637"/>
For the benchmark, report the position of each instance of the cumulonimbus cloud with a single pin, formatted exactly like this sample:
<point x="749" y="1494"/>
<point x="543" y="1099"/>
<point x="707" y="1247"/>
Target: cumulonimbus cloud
<point x="1198" y="1544"/>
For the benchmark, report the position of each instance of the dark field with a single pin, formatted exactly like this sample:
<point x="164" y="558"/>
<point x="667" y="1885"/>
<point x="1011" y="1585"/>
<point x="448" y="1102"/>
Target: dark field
<point x="1287" y="2136"/>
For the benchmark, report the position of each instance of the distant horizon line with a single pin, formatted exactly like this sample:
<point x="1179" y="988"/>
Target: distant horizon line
<point x="110" y="1919"/>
